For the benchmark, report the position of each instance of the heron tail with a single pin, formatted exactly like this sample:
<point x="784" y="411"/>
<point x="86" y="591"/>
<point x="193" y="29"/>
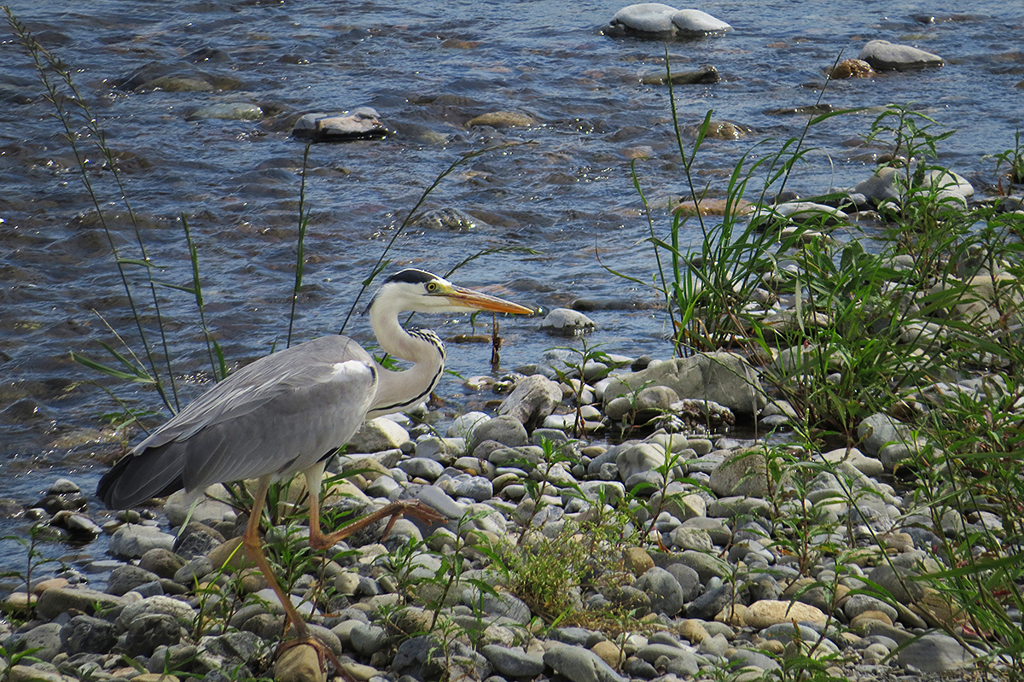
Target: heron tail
<point x="154" y="472"/>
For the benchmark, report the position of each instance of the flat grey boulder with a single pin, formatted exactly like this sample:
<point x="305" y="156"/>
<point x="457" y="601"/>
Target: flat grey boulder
<point x="744" y="473"/>
<point x="949" y="185"/>
<point x="885" y="56"/>
<point x="227" y="111"/>
<point x="465" y="425"/>
<point x="580" y="665"/>
<point x="132" y="541"/>
<point x="58" y="600"/>
<point x="802" y="212"/>
<point x="502" y="119"/>
<point x="362" y="123"/>
<point x="513" y="662"/>
<point x="882" y="186"/>
<point x="694" y="23"/>
<point x="506" y="430"/>
<point x="86" y="634"/>
<point x="566" y="322"/>
<point x="210" y="509"/>
<point x="879" y="430"/>
<point x="935" y="653"/>
<point x="377" y="435"/>
<point x="664" y="590"/>
<point x="724" y="378"/>
<point x="651" y="18"/>
<point x="706" y="74"/>
<point x="534" y="398"/>
<point x="656" y="20"/>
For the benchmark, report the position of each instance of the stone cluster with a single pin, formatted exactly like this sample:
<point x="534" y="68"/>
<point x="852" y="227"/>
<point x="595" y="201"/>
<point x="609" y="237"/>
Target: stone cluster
<point x="704" y="563"/>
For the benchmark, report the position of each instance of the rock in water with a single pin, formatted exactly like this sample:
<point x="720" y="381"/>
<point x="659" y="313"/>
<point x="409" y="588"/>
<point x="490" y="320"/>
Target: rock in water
<point x="705" y="75"/>
<point x="566" y="322"/>
<point x="694" y="23"/>
<point x="655" y="20"/>
<point x="359" y="124"/>
<point x="852" y="68"/>
<point x="501" y="119"/>
<point x="885" y="56"/>
<point x="647" y="18"/>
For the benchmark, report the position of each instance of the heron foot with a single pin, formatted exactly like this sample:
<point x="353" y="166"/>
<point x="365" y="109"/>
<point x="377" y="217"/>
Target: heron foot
<point x="395" y="510"/>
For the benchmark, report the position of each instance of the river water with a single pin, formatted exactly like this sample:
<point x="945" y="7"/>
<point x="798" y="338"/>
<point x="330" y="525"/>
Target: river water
<point x="562" y="190"/>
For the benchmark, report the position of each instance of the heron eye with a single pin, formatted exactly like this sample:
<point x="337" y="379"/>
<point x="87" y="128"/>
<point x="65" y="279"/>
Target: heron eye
<point x="431" y="287"/>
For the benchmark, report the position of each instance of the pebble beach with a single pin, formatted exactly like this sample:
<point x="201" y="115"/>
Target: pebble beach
<point x="703" y="563"/>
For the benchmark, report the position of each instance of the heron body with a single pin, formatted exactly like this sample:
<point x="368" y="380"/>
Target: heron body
<point x="278" y="416"/>
<point x="288" y="412"/>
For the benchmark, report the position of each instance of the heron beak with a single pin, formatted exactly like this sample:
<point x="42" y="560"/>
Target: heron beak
<point x="474" y="299"/>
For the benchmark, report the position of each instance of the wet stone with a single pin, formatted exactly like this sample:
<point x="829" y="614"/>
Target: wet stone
<point x="693" y="23"/>
<point x="362" y="123"/>
<point x="885" y="56"/>
<point x="705" y="75"/>
<point x="502" y="119"/>
<point x="654" y="19"/>
<point x="448" y="218"/>
<point x="566" y="322"/>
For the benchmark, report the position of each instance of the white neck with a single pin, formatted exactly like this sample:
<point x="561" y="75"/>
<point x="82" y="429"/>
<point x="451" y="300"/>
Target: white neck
<point x="397" y="391"/>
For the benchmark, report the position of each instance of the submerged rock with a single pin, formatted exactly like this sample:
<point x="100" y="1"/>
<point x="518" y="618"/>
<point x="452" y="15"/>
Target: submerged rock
<point x="852" y="68"/>
<point x="705" y="75"/>
<point x="501" y="119"/>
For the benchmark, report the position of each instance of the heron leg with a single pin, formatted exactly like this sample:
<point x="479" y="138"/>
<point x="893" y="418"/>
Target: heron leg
<point x="253" y="544"/>
<point x="319" y="540"/>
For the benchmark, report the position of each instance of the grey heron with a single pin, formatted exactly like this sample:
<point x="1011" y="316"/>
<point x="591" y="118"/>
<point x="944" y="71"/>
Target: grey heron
<point x="287" y="413"/>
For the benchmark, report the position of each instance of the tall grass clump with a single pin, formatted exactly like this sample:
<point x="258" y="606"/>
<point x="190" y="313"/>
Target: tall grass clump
<point x="913" y="312"/>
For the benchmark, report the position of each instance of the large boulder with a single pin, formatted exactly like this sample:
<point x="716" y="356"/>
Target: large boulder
<point x="885" y="56"/>
<point x="694" y="23"/>
<point x="724" y="378"/>
<point x="533" y="399"/>
<point x="646" y="18"/>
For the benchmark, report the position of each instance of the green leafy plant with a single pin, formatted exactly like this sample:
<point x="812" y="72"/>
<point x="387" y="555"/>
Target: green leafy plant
<point x="1013" y="160"/>
<point x="575" y="373"/>
<point x="13" y="658"/>
<point x="34" y="559"/>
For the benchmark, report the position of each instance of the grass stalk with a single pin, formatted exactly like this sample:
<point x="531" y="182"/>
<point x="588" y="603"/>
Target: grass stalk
<point x="45" y="63"/>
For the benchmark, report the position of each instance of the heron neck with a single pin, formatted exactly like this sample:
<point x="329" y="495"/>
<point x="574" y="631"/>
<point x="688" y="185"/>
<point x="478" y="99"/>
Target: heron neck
<point x="403" y="389"/>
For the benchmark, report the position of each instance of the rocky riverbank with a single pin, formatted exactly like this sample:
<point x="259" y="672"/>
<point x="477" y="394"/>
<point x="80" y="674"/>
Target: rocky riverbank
<point x="679" y="552"/>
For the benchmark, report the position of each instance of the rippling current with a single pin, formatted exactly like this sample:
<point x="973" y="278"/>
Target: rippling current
<point x="427" y="67"/>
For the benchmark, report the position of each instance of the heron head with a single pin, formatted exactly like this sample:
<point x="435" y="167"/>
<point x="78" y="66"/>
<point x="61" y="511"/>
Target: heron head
<point x="422" y="291"/>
